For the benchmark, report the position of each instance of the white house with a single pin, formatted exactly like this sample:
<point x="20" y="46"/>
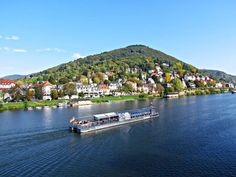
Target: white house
<point x="144" y="76"/>
<point x="46" y="89"/>
<point x="105" y="76"/>
<point x="144" y="88"/>
<point x="104" y="89"/>
<point x="229" y="85"/>
<point x="114" y="86"/>
<point x="219" y="85"/>
<point x="184" y="83"/>
<point x="189" y="77"/>
<point x="202" y="78"/>
<point x="192" y="85"/>
<point x="161" y="79"/>
<point x="151" y="71"/>
<point x="90" y="91"/>
<point x="158" y="68"/>
<point x="150" y="80"/>
<point x="166" y="64"/>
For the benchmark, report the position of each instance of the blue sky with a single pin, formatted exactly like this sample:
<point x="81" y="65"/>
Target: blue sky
<point x="35" y="35"/>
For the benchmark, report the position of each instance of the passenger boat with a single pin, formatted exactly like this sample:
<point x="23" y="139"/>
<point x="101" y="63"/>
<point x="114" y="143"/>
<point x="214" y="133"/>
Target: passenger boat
<point x="112" y="119"/>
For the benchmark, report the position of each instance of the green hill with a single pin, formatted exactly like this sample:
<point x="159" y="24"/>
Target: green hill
<point x="115" y="61"/>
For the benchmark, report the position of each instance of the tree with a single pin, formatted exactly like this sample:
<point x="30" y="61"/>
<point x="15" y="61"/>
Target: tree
<point x="26" y="104"/>
<point x="96" y="80"/>
<point x="181" y="73"/>
<point x="69" y="89"/>
<point x="100" y="76"/>
<point x="160" y="89"/>
<point x="38" y="92"/>
<point x="179" y="65"/>
<point x="170" y="90"/>
<point x="60" y="94"/>
<point x="63" y="80"/>
<point x="81" y="94"/>
<point x="143" y="95"/>
<point x="129" y="88"/>
<point x="84" y="79"/>
<point x="29" y="94"/>
<point x="19" y="83"/>
<point x="54" y="94"/>
<point x="211" y="83"/>
<point x="199" y="84"/>
<point x="191" y="68"/>
<point x="52" y="80"/>
<point x="16" y="92"/>
<point x="107" y="82"/>
<point x="2" y="95"/>
<point x="167" y="77"/>
<point x="177" y="84"/>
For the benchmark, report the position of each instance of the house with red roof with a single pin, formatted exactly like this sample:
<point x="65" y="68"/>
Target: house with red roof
<point x="6" y="84"/>
<point x="46" y="89"/>
<point x="104" y="89"/>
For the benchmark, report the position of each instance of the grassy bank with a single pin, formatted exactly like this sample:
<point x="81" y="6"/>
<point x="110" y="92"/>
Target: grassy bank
<point x="33" y="104"/>
<point x="23" y="105"/>
<point x="120" y="98"/>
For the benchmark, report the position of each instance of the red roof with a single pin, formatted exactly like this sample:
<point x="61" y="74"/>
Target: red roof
<point x="6" y="82"/>
<point x="103" y="87"/>
<point x="46" y="83"/>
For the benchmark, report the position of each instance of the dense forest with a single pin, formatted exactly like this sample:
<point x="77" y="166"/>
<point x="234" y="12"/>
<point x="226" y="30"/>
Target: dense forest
<point x="116" y="63"/>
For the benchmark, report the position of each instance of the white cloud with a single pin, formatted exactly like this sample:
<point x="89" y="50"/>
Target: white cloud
<point x="19" y="50"/>
<point x="58" y="50"/>
<point x="77" y="55"/>
<point x="50" y="50"/>
<point x="6" y="49"/>
<point x="13" y="37"/>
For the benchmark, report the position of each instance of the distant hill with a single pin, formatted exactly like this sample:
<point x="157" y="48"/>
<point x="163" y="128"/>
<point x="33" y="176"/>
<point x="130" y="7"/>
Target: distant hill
<point x="219" y="75"/>
<point x="14" y="77"/>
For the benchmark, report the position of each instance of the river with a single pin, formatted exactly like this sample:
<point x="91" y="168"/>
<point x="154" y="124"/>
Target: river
<point x="194" y="136"/>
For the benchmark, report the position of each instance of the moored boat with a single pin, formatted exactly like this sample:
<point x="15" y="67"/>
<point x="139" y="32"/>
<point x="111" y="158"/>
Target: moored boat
<point x="30" y="109"/>
<point x="112" y="119"/>
<point x="60" y="105"/>
<point x="233" y="91"/>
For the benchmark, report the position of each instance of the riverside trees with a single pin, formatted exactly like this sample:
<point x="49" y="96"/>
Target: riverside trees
<point x="69" y="89"/>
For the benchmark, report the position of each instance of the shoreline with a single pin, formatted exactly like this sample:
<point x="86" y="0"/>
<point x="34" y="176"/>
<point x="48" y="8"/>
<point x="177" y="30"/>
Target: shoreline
<point x="30" y="105"/>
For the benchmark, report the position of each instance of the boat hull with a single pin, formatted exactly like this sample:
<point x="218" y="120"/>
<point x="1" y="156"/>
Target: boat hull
<point x="110" y="125"/>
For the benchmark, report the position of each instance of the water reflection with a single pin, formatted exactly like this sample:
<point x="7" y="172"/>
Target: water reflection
<point x="194" y="136"/>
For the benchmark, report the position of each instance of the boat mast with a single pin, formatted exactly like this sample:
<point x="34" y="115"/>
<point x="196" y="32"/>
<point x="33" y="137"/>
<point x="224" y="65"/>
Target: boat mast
<point x="151" y="107"/>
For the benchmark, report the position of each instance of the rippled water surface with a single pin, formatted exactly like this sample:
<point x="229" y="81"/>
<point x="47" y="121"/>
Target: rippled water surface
<point x="194" y="136"/>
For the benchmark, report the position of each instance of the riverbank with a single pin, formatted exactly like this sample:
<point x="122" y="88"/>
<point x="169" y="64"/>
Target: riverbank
<point x="28" y="104"/>
<point x="122" y="98"/>
<point x="34" y="104"/>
